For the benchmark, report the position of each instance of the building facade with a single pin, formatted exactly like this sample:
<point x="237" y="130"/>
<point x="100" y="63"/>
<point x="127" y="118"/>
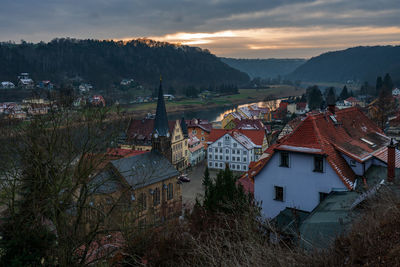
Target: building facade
<point x="327" y="152"/>
<point x="235" y="148"/>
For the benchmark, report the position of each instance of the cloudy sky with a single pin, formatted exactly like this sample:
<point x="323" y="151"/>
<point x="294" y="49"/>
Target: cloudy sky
<point x="234" y="28"/>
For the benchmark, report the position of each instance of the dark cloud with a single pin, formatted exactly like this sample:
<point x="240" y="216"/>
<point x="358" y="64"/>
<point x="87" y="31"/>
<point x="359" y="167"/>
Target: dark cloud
<point x="111" y="19"/>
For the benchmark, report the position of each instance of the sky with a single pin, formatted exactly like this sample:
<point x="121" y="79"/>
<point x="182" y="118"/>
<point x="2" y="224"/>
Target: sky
<point x="229" y="28"/>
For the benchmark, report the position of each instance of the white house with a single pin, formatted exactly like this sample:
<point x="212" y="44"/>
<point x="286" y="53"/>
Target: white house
<point x="7" y="85"/>
<point x="237" y="148"/>
<point x="326" y="152"/>
<point x="196" y="150"/>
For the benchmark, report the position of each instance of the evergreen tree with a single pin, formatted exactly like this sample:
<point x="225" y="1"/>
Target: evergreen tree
<point x="387" y="82"/>
<point x="314" y="97"/>
<point x="331" y="97"/>
<point x="223" y="195"/>
<point x="344" y="94"/>
<point x="378" y="86"/>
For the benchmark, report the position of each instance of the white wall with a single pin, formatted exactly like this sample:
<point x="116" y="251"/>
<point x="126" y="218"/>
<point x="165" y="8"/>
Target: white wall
<point x="221" y="154"/>
<point x="301" y="184"/>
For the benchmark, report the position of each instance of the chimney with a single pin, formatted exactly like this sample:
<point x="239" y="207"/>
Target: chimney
<point x="391" y="161"/>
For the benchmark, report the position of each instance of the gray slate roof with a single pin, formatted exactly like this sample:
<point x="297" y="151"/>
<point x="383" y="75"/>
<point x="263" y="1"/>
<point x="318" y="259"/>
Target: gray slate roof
<point x="145" y="169"/>
<point x="138" y="171"/>
<point x="161" y="120"/>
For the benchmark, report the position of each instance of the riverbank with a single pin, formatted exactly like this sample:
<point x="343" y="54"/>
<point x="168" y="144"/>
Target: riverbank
<point x="245" y="96"/>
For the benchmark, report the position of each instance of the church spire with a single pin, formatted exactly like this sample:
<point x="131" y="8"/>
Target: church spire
<point x="161" y="120"/>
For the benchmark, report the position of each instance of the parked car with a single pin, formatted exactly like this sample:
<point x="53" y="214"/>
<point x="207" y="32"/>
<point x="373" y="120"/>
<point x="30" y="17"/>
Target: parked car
<point x="184" y="178"/>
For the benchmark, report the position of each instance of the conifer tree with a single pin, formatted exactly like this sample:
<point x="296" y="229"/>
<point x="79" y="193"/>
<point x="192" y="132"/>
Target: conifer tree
<point x="344" y="94"/>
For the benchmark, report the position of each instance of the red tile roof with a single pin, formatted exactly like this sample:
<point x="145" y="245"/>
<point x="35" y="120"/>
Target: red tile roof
<point x="349" y="131"/>
<point x="139" y="131"/>
<point x="203" y="124"/>
<point x="301" y="105"/>
<point x="248" y="124"/>
<point x="256" y="136"/>
<point x="352" y="99"/>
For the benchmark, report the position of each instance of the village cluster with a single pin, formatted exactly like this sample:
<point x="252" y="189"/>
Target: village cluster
<point x="310" y="174"/>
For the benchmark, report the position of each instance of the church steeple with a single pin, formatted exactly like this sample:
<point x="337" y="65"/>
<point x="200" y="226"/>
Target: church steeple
<point x="161" y="138"/>
<point x="161" y="120"/>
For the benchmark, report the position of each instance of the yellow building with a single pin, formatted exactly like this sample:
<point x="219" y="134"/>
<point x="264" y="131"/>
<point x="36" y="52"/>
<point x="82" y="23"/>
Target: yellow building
<point x="136" y="190"/>
<point x="179" y="145"/>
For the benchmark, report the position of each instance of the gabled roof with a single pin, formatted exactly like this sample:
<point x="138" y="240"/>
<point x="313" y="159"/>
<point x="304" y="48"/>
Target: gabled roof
<point x="140" y="131"/>
<point x="248" y="124"/>
<point x="352" y="99"/>
<point x="203" y="124"/>
<point x="144" y="169"/>
<point x="256" y="136"/>
<point x="348" y="131"/>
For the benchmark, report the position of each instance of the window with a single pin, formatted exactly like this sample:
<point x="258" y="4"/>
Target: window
<point x="220" y="150"/>
<point x="322" y="196"/>
<point x="216" y="150"/>
<point x="170" y="191"/>
<point x="244" y="159"/>
<point x="233" y="166"/>
<point x="202" y="132"/>
<point x="156" y="196"/>
<point x="284" y="159"/>
<point x="142" y="201"/>
<point x="227" y="157"/>
<point x="210" y="150"/>
<point x="318" y="164"/>
<point x="233" y="151"/>
<point x="210" y="164"/>
<point x="244" y="152"/>
<point x="278" y="193"/>
<point x="220" y="157"/>
<point x="238" y="152"/>
<point x="194" y="132"/>
<point x="220" y="165"/>
<point x="226" y="137"/>
<point x="219" y="144"/>
<point x="202" y="138"/>
<point x="234" y="145"/>
<point x="244" y="167"/>
<point x="227" y="151"/>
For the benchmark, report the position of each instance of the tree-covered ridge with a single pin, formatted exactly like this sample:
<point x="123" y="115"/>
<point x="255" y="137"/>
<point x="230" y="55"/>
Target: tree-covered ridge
<point x="104" y="63"/>
<point x="361" y="63"/>
<point x="265" y="68"/>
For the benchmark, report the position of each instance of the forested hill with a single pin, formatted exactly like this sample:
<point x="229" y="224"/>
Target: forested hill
<point x="357" y="63"/>
<point x="104" y="63"/>
<point x="264" y="68"/>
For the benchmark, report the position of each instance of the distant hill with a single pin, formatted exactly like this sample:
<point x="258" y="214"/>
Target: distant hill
<point x="104" y="63"/>
<point x="264" y="68"/>
<point x="357" y="64"/>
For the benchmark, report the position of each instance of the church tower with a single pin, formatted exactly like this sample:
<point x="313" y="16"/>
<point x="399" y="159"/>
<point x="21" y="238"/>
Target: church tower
<point x="161" y="137"/>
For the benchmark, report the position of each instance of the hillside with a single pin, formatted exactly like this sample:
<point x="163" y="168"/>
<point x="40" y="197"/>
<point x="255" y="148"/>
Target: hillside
<point x="264" y="68"/>
<point x="357" y="63"/>
<point x="104" y="63"/>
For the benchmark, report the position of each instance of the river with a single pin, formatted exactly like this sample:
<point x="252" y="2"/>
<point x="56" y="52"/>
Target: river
<point x="218" y="113"/>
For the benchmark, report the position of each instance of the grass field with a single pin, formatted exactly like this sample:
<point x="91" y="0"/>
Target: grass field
<point x="244" y="96"/>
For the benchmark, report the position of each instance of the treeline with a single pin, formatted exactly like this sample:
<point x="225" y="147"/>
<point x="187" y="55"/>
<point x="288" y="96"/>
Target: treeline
<point x="354" y="64"/>
<point x="105" y="63"/>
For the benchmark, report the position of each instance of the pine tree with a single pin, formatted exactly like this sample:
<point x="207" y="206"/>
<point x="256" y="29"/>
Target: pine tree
<point x="331" y="97"/>
<point x="387" y="82"/>
<point x="344" y="94"/>
<point x="314" y="97"/>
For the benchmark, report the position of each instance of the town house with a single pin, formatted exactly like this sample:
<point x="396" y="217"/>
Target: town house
<point x="235" y="148"/>
<point x="327" y="152"/>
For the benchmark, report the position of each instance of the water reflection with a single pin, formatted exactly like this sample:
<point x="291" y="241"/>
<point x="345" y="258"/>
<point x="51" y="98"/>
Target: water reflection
<point x="218" y="113"/>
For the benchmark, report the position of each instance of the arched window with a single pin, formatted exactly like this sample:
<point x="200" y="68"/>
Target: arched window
<point x="156" y="196"/>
